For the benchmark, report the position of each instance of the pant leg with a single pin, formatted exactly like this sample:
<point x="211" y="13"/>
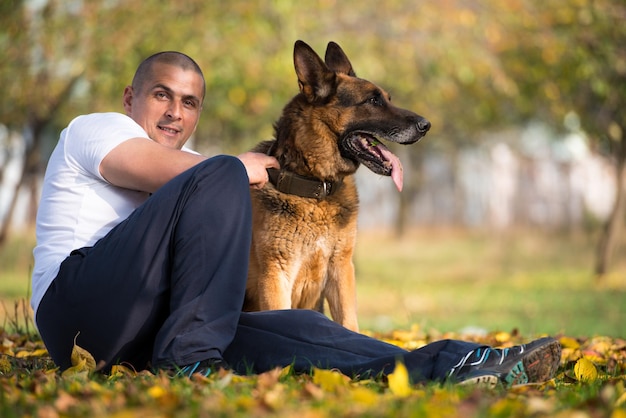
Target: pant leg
<point x="306" y="339"/>
<point x="166" y="284"/>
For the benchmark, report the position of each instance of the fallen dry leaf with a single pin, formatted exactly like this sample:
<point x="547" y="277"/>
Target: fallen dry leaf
<point x="585" y="370"/>
<point x="399" y="383"/>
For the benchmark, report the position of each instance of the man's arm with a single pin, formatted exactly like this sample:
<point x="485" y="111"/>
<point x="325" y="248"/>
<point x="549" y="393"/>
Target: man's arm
<point x="145" y="165"/>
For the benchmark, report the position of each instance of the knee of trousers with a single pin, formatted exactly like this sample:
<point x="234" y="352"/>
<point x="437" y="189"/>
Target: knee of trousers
<point x="225" y="174"/>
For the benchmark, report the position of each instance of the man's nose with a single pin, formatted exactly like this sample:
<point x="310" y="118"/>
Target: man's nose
<point x="174" y="110"/>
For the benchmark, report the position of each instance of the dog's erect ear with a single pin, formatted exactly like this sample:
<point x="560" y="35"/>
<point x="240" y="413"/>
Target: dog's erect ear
<point x="337" y="60"/>
<point x="316" y="81"/>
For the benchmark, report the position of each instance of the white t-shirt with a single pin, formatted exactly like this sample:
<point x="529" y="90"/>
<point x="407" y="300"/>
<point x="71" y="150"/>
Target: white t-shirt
<point x="78" y="206"/>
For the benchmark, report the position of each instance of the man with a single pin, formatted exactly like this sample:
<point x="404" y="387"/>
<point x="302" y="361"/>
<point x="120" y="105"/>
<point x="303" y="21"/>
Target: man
<point x="143" y="248"/>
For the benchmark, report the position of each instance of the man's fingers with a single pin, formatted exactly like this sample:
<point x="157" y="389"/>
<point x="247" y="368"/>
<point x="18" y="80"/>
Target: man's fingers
<point x="256" y="165"/>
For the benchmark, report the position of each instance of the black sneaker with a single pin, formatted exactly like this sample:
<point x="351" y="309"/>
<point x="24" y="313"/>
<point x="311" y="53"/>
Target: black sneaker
<point x="204" y="368"/>
<point x="534" y="362"/>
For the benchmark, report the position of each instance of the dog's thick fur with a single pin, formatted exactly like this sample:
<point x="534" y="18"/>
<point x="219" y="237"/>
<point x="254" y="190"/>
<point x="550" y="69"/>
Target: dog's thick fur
<point x="302" y="246"/>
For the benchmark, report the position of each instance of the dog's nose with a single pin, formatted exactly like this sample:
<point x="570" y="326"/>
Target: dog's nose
<point x="423" y="125"/>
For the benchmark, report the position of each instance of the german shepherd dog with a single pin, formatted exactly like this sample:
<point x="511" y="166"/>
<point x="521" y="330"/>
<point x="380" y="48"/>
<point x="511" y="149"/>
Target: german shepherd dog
<point x="305" y="218"/>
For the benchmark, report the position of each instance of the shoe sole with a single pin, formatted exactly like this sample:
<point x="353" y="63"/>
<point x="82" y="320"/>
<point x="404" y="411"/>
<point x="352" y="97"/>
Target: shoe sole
<point x="537" y="365"/>
<point x="486" y="381"/>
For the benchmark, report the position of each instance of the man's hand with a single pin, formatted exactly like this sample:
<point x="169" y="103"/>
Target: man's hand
<point x="256" y="165"/>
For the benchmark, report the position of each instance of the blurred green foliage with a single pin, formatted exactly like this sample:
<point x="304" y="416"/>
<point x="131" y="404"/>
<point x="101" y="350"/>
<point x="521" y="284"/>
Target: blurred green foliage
<point x="465" y="65"/>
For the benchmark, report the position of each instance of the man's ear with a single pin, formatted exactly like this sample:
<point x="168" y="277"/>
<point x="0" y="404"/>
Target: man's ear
<point x="128" y="99"/>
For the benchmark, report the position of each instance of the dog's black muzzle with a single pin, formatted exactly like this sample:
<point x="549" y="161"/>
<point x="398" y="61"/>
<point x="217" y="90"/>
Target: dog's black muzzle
<point x="423" y="125"/>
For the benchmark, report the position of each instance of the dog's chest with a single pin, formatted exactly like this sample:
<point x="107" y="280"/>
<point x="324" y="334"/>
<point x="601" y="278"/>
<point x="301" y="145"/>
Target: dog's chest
<point x="335" y="211"/>
<point x="303" y="228"/>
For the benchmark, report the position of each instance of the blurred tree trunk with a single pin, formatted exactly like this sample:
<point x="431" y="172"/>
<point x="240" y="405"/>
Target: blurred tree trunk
<point x="32" y="168"/>
<point x="28" y="177"/>
<point x="615" y="223"/>
<point x="411" y="162"/>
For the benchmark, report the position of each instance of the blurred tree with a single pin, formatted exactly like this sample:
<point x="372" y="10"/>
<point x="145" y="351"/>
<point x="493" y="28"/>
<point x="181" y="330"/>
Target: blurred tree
<point x="466" y="65"/>
<point x="52" y="51"/>
<point x="34" y="89"/>
<point x="570" y="56"/>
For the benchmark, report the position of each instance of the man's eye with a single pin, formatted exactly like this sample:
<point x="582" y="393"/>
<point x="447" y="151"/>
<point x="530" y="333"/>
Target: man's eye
<point x="161" y="95"/>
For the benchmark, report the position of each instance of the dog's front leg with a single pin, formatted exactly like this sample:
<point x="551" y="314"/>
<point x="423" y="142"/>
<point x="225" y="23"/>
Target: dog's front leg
<point x="275" y="291"/>
<point x="341" y="294"/>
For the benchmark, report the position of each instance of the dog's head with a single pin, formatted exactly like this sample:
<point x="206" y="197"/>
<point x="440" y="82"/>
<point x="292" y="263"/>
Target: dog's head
<point x="352" y="112"/>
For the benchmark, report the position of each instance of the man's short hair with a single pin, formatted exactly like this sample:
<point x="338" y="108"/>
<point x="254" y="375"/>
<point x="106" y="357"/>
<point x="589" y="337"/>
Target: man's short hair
<point x="178" y="59"/>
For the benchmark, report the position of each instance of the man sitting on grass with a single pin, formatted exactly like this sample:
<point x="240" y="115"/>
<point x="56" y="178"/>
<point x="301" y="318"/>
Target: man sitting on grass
<point x="142" y="256"/>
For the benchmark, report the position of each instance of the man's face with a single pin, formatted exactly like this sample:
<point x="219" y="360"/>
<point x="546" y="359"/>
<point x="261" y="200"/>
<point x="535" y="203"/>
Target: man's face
<point x="168" y="104"/>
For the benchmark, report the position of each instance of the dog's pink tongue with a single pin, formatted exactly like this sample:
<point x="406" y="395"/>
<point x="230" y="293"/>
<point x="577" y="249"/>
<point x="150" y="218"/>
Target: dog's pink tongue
<point x="397" y="174"/>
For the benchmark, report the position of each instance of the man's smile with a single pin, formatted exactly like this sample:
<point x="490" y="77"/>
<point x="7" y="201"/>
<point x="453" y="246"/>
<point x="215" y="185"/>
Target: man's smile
<point x="169" y="130"/>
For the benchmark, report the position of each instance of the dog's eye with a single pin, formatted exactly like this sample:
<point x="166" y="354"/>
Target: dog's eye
<point x="376" y="100"/>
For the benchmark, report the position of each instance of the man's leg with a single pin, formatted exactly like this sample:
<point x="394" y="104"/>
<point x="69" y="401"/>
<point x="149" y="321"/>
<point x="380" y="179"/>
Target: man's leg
<point x="167" y="283"/>
<point x="306" y="339"/>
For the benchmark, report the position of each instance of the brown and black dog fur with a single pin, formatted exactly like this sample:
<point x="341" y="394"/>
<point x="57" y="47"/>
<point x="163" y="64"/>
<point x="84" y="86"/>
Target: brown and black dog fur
<point x="302" y="247"/>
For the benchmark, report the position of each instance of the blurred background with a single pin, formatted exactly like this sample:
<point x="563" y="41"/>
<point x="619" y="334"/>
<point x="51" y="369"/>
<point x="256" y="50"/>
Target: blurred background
<point x="519" y="184"/>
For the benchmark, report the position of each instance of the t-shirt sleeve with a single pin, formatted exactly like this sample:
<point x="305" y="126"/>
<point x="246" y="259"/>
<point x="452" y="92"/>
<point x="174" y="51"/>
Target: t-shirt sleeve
<point x="89" y="138"/>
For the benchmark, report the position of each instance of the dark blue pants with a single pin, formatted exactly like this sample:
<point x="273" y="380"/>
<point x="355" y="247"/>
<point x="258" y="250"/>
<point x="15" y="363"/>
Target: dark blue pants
<point x="166" y="287"/>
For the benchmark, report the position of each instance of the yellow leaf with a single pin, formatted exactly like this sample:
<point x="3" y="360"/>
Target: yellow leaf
<point x="5" y="365"/>
<point x="120" y="370"/>
<point x="79" y="355"/>
<point x="569" y="342"/>
<point x="79" y="366"/>
<point x="286" y="371"/>
<point x="76" y="369"/>
<point x="402" y="335"/>
<point x="236" y="378"/>
<point x="36" y="353"/>
<point x="502" y="337"/>
<point x="329" y="380"/>
<point x="39" y="352"/>
<point x="585" y="370"/>
<point x="570" y="354"/>
<point x="397" y="343"/>
<point x="399" y="380"/>
<point x="156" y="392"/>
<point x="364" y="396"/>
<point x="618" y="413"/>
<point x="95" y="387"/>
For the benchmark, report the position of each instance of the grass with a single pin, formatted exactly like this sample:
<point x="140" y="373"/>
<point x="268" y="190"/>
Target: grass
<point x="16" y="262"/>
<point x="31" y="386"/>
<point x="452" y="280"/>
